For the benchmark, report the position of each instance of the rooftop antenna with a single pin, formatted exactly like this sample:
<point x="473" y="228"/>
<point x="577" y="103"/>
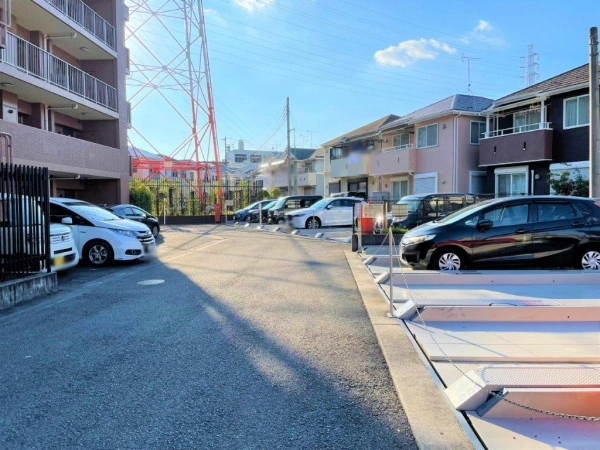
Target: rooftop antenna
<point x="468" y="59"/>
<point x="531" y="75"/>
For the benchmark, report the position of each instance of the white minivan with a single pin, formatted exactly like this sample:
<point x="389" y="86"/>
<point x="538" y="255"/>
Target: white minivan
<point x="101" y="236"/>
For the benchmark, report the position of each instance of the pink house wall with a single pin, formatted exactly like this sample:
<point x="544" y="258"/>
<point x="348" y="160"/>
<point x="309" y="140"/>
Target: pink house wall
<point x="439" y="158"/>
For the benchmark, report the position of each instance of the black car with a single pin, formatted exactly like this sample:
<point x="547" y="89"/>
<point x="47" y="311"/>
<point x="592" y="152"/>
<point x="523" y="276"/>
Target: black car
<point x="136" y="213"/>
<point x="253" y="215"/>
<point x="415" y="210"/>
<point x="528" y="231"/>
<point x="241" y="214"/>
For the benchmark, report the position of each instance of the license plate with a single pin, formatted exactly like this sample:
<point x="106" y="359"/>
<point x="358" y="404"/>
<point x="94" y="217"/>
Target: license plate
<point x="59" y="261"/>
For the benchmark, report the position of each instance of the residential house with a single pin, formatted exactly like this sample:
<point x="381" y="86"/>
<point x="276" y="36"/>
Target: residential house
<point x="349" y="156"/>
<point x="535" y="131"/>
<point x="433" y="149"/>
<point x="307" y="172"/>
<point x="62" y="94"/>
<point x="244" y="164"/>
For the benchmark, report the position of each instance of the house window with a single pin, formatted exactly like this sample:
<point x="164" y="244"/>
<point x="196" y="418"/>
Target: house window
<point x="427" y="136"/>
<point x="309" y="167"/>
<point x="256" y="158"/>
<point x="577" y="111"/>
<point x="175" y="174"/>
<point x="240" y="158"/>
<point x="477" y="132"/>
<point x="401" y="140"/>
<point x="335" y="153"/>
<point x="512" y="181"/>
<point x="191" y="175"/>
<point x="527" y="121"/>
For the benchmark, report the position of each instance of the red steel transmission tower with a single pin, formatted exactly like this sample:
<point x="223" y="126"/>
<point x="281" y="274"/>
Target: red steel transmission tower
<point x="170" y="80"/>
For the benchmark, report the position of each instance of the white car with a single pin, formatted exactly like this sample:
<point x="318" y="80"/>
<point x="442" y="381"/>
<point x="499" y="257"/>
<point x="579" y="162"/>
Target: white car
<point x="63" y="251"/>
<point x="336" y="211"/>
<point x="99" y="235"/>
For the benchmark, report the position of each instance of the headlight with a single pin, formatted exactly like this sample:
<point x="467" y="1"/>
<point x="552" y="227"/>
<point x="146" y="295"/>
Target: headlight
<point x="124" y="233"/>
<point x="417" y="239"/>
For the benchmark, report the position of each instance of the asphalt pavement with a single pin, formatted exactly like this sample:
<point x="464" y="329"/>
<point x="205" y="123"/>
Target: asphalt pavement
<point x="228" y="339"/>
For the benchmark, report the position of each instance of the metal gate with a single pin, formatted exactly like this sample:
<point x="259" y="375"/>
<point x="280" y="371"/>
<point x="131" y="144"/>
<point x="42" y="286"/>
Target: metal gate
<point x="181" y="197"/>
<point x="24" y="224"/>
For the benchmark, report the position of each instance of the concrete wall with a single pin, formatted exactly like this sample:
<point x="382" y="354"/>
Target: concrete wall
<point x="25" y="289"/>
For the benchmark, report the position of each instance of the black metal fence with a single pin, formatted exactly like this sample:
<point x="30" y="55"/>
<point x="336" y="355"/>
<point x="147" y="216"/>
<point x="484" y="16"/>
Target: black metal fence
<point x="196" y="198"/>
<point x="24" y="228"/>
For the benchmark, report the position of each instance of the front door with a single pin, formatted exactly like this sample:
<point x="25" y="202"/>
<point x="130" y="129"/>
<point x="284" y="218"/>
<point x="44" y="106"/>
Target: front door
<point x="508" y="241"/>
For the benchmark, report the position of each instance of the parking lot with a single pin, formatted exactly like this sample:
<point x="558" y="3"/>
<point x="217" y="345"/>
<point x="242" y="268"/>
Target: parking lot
<point x="226" y="338"/>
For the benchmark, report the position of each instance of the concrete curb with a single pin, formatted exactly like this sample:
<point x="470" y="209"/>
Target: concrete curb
<point x="432" y="422"/>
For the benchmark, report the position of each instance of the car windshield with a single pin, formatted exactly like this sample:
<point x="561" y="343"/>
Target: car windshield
<point x="279" y="203"/>
<point x="412" y="204"/>
<point x="252" y="206"/>
<point x="464" y="212"/>
<point x="91" y="212"/>
<point x="269" y="205"/>
<point x="320" y="204"/>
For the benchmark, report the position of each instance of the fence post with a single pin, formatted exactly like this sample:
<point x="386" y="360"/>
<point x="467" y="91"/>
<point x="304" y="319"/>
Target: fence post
<point x="391" y="247"/>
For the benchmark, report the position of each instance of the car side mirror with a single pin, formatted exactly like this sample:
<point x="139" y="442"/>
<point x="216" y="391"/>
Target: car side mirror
<point x="329" y="206"/>
<point x="485" y="224"/>
<point x="67" y="221"/>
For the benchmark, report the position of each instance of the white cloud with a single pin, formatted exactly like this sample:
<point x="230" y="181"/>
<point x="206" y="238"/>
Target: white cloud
<point x="216" y="15"/>
<point x="484" y="32"/>
<point x="253" y="5"/>
<point x="483" y="26"/>
<point x="408" y="52"/>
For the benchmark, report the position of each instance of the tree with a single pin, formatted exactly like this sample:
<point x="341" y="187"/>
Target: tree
<point x="140" y="195"/>
<point x="566" y="184"/>
<point x="275" y="192"/>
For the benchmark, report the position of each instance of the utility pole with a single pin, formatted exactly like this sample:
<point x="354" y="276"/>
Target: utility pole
<point x="226" y="161"/>
<point x="289" y="149"/>
<point x="594" y="116"/>
<point x="468" y="59"/>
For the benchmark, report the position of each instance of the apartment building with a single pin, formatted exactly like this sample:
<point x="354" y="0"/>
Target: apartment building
<point x="62" y="93"/>
<point x="536" y="131"/>
<point x="433" y="149"/>
<point x="307" y="172"/>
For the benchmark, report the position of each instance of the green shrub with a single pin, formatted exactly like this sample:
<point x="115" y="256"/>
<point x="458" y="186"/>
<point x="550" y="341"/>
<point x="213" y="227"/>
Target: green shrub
<point x="565" y="184"/>
<point x="140" y="195"/>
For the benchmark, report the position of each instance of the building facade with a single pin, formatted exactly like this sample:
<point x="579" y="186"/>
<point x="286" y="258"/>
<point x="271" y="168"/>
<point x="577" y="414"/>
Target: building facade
<point x="536" y="131"/>
<point x="62" y="94"/>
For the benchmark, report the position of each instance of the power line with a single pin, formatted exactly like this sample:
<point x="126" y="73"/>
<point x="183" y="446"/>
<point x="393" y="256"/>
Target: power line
<point x="353" y="30"/>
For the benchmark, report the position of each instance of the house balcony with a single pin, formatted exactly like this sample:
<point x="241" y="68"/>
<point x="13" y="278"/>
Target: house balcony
<point x="355" y="164"/>
<point x="528" y="143"/>
<point x="307" y="179"/>
<point x="40" y="77"/>
<point x="68" y="16"/>
<point x="394" y="160"/>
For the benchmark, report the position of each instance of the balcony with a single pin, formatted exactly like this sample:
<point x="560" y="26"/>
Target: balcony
<point x="355" y="164"/>
<point x="85" y="16"/>
<point x="527" y="143"/>
<point x="64" y="154"/>
<point x="67" y="16"/>
<point x="394" y="160"/>
<point x="307" y="179"/>
<point x="54" y="72"/>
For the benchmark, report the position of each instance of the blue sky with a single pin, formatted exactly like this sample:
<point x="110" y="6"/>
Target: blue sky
<point x="345" y="63"/>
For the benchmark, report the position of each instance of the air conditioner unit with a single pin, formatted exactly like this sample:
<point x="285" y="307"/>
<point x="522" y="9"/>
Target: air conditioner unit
<point x="2" y="35"/>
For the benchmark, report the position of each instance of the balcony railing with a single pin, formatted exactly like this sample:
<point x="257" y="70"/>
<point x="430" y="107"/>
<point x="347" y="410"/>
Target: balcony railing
<point x="520" y="129"/>
<point x="43" y="65"/>
<point x="399" y="147"/>
<point x="85" y="16"/>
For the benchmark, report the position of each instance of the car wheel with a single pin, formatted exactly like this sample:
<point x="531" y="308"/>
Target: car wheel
<point x="309" y="223"/>
<point x="280" y="221"/>
<point x="155" y="230"/>
<point x="588" y="259"/>
<point x="98" y="253"/>
<point x="449" y="259"/>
